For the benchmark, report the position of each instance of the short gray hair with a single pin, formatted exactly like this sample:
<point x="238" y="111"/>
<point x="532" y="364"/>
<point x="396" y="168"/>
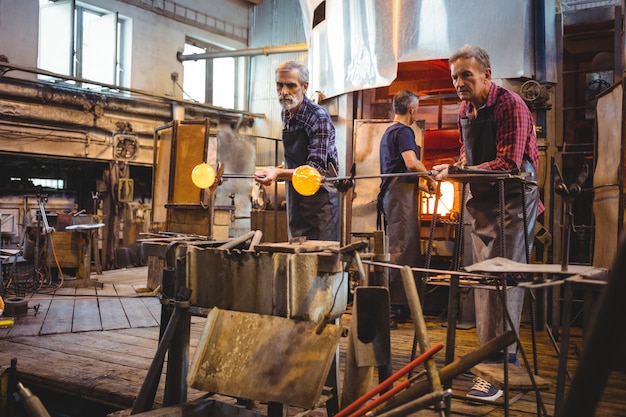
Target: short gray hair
<point x="468" y="51"/>
<point x="403" y="101"/>
<point x="289" y="66"/>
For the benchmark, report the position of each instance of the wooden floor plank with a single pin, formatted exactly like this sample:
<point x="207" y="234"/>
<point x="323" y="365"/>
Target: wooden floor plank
<point x="59" y="317"/>
<point x="141" y="334"/>
<point x="109" y="341"/>
<point x="76" y="375"/>
<point x="112" y="315"/>
<point x="94" y="346"/>
<point x="154" y="307"/>
<point x="125" y="290"/>
<point x="137" y="312"/>
<point x="135" y="276"/>
<point x="86" y="311"/>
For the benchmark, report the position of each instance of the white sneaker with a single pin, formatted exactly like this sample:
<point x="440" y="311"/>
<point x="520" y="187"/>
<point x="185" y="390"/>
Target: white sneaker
<point x="483" y="390"/>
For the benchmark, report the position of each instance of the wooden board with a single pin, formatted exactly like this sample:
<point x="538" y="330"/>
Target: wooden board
<point x="60" y="313"/>
<point x="86" y="311"/>
<point x="135" y="309"/>
<point x="306" y="246"/>
<point x="607" y="177"/>
<point x="31" y="323"/>
<point x="77" y="309"/>
<point x="112" y="314"/>
<point x="265" y="358"/>
<point x="67" y="248"/>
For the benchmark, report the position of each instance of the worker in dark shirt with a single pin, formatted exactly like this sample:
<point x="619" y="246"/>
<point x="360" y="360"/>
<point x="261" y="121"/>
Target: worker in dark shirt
<point x="399" y="196"/>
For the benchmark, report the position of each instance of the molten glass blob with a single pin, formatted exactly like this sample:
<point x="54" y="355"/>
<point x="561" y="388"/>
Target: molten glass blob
<point x="203" y="175"/>
<point x="306" y="180"/>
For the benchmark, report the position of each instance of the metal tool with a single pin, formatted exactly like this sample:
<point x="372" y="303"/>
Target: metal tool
<point x="306" y="179"/>
<point x="569" y="194"/>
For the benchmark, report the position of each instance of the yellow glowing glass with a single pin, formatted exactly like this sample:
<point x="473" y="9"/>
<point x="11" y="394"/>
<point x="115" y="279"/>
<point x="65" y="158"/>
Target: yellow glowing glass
<point x="203" y="175"/>
<point x="446" y="200"/>
<point x="306" y="180"/>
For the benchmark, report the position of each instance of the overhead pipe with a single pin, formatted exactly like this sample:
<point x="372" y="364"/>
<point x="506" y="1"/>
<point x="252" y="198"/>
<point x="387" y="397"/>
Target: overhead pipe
<point x="35" y="111"/>
<point x="61" y="95"/>
<point x="222" y="113"/>
<point x="266" y="50"/>
<point x="43" y="113"/>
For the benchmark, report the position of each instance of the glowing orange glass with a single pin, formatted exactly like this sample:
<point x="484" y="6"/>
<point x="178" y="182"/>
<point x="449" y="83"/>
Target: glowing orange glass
<point x="306" y="180"/>
<point x="203" y="175"/>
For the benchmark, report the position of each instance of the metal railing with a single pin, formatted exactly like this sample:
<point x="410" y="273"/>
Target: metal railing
<point x="189" y="16"/>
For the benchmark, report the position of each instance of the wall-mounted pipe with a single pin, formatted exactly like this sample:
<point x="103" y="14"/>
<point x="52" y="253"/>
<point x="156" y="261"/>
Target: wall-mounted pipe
<point x="266" y="50"/>
<point x="34" y="111"/>
<point x="218" y="112"/>
<point x="66" y="96"/>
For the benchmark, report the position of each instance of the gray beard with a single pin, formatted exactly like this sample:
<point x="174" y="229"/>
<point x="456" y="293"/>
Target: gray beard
<point x="288" y="104"/>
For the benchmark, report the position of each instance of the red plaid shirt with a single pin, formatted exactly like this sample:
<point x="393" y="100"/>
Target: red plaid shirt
<point x="516" y="139"/>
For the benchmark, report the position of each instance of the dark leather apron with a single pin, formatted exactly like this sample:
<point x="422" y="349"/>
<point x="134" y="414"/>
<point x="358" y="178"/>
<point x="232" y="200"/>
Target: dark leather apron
<point x="316" y="217"/>
<point x="400" y="207"/>
<point x="479" y="138"/>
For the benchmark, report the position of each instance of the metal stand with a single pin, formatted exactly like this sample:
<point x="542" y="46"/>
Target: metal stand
<point x="453" y="294"/>
<point x="568" y="194"/>
<point x="86" y="233"/>
<point x="173" y="340"/>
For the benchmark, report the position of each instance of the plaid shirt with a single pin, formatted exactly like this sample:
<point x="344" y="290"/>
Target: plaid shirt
<point x="321" y="132"/>
<point x="516" y="138"/>
<point x="515" y="130"/>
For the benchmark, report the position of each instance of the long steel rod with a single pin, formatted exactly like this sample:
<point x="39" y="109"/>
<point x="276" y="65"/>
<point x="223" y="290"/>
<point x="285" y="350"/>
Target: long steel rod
<point x="431" y="270"/>
<point x="356" y="177"/>
<point x="392" y="174"/>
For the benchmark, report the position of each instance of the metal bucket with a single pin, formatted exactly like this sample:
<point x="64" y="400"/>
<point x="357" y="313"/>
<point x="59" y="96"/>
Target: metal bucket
<point x="15" y="307"/>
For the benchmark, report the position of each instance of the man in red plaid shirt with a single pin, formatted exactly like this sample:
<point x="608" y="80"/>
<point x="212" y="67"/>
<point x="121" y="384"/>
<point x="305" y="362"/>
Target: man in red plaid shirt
<point x="497" y="134"/>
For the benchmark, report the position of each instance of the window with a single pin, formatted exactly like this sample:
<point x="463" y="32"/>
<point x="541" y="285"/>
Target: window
<point x="195" y="75"/>
<point x="83" y="42"/>
<point x="58" y="184"/>
<point x="212" y="81"/>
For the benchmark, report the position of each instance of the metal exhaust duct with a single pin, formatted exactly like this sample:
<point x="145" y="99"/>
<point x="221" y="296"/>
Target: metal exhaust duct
<point x="266" y="50"/>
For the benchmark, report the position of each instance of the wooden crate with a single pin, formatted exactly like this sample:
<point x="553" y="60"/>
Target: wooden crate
<point x="67" y="247"/>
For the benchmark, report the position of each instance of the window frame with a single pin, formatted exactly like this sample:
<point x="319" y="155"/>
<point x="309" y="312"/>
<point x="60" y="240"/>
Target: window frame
<point x="209" y="75"/>
<point x="77" y="55"/>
